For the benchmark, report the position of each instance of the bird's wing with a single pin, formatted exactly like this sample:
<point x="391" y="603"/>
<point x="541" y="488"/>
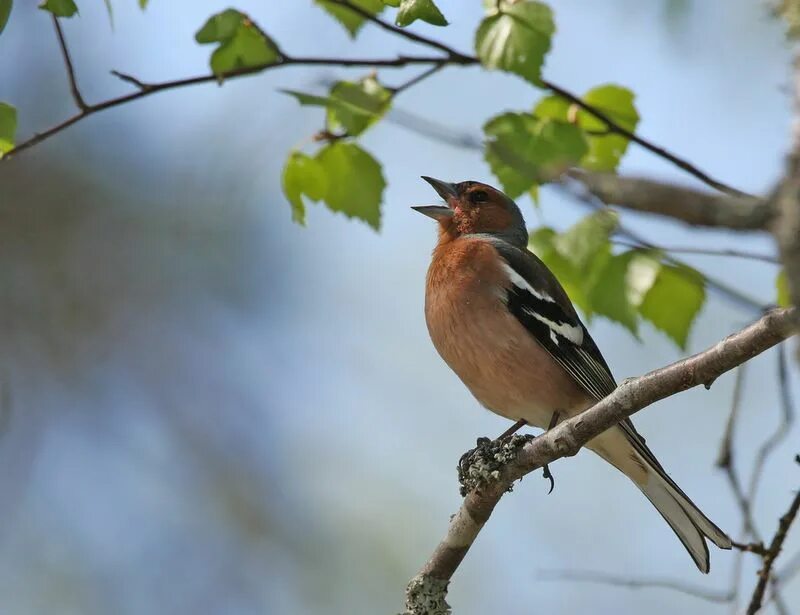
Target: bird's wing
<point x="541" y="305"/>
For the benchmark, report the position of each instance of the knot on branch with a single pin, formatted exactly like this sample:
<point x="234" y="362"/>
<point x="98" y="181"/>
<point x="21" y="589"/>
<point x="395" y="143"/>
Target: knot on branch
<point x="425" y="595"/>
<point x="482" y="465"/>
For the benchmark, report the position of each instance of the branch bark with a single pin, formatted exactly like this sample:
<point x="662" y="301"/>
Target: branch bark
<point x="427" y="590"/>
<point x="743" y="213"/>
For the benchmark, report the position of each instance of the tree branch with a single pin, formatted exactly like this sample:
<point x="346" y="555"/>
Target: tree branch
<point x="743" y="213"/>
<point x="765" y="574"/>
<point x="756" y="256"/>
<point x="73" y="83"/>
<point x="568" y="437"/>
<point x="602" y="578"/>
<point x="147" y="89"/>
<point x="559" y="91"/>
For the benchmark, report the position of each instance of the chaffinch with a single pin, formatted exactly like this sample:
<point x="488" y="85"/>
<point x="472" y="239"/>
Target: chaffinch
<point x="503" y="323"/>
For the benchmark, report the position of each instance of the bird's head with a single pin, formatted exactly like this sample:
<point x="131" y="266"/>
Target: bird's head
<point x="473" y="207"/>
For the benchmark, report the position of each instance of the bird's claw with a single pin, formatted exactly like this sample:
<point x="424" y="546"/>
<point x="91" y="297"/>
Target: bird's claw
<point x="547" y="475"/>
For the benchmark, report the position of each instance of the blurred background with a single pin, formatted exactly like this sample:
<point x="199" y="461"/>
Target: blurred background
<point x="209" y="409"/>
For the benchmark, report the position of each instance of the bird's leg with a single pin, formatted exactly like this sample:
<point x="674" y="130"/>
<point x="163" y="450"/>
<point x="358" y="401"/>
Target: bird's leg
<point x="513" y="429"/>
<point x="546" y="469"/>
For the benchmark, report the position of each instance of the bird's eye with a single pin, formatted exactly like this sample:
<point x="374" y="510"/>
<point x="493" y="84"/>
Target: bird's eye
<point x="479" y="196"/>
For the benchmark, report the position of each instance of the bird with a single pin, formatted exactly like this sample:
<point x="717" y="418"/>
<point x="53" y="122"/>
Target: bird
<point x="503" y="323"/>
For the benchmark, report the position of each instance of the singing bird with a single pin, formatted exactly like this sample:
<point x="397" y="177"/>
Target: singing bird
<point x="503" y="323"/>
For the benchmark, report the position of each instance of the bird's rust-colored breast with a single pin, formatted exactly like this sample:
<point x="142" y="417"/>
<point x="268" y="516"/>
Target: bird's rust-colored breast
<point x="484" y="344"/>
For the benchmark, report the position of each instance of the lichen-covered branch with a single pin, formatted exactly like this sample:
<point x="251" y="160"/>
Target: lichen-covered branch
<point x="568" y="437"/>
<point x="694" y="207"/>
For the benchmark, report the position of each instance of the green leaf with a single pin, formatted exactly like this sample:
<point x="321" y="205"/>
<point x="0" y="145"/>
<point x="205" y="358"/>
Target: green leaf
<point x="674" y="300"/>
<point x="394" y="3"/>
<point x="362" y="104"/>
<point x="356" y="183"/>
<point x="426" y="10"/>
<point x="303" y="175"/>
<point x="59" y="8"/>
<point x="609" y="295"/>
<point x="516" y="39"/>
<point x="782" y="288"/>
<point x="242" y="43"/>
<point x="606" y="149"/>
<point x="8" y="127"/>
<point x="552" y="108"/>
<point x="143" y="4"/>
<point x="352" y="106"/>
<point x="5" y="12"/>
<point x="642" y="274"/>
<point x="351" y="20"/>
<point x="542" y="243"/>
<point x="582" y="241"/>
<point x="522" y="150"/>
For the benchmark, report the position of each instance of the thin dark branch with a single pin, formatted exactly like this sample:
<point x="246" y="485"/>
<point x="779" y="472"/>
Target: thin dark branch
<point x="73" y="84"/>
<point x="765" y="574"/>
<point x="725" y="455"/>
<point x="648" y="145"/>
<point x="407" y="34"/>
<point x="131" y="79"/>
<point x="421" y="77"/>
<point x="561" y="93"/>
<point x="602" y="578"/>
<point x="703" y="251"/>
<point x="146" y="89"/>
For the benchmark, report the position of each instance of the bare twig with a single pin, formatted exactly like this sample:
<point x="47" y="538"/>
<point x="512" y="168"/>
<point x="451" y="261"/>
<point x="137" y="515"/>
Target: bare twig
<point x="701" y="251"/>
<point x="145" y="89"/>
<point x="568" y="437"/>
<point x="603" y="578"/>
<point x="561" y="92"/>
<point x="415" y="80"/>
<point x="452" y="56"/>
<point x="765" y="574"/>
<point x="73" y="83"/>
<point x="725" y="456"/>
<point x="661" y="152"/>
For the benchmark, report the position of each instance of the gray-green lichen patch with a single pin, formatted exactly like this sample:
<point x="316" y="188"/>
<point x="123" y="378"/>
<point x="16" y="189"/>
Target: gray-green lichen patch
<point x="482" y="464"/>
<point x="425" y="595"/>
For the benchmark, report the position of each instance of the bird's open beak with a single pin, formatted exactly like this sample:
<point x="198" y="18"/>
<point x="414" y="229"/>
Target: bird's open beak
<point x="445" y="190"/>
<point x="437" y="212"/>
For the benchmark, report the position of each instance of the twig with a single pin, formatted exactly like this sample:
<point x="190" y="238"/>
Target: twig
<point x="702" y="251"/>
<point x="153" y="88"/>
<point x="765" y="574"/>
<point x="725" y="455"/>
<point x="588" y="576"/>
<point x="568" y="437"/>
<point x="73" y="84"/>
<point x="561" y="93"/>
<point x="405" y="33"/>
<point x="648" y="145"/>
<point x="415" y="80"/>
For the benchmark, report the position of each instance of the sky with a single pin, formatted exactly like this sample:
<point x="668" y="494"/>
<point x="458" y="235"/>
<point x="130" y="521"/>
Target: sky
<point x="211" y="409"/>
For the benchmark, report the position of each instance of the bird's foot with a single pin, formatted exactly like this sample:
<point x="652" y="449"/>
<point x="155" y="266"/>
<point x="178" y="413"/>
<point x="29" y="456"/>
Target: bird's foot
<point x="482" y="464"/>
<point x="546" y="474"/>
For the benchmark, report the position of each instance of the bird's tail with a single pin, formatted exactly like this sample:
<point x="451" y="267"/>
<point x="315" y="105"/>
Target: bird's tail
<point x="687" y="521"/>
<point x="636" y="460"/>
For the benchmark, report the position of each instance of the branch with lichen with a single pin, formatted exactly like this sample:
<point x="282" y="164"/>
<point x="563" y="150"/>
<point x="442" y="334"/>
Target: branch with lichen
<point x="426" y="593"/>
